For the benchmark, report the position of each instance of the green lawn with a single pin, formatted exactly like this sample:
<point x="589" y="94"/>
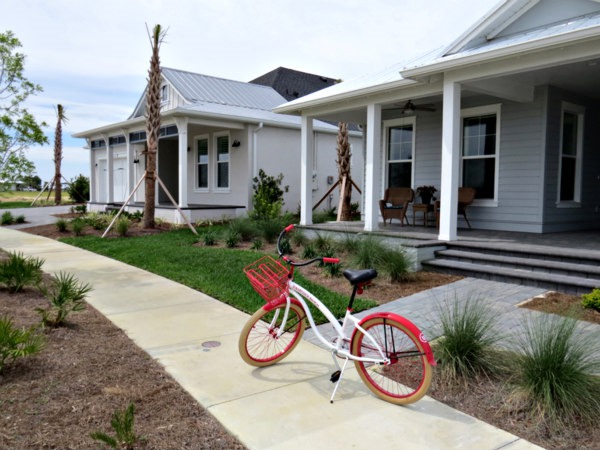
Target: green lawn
<point x="23" y="199"/>
<point x="217" y="272"/>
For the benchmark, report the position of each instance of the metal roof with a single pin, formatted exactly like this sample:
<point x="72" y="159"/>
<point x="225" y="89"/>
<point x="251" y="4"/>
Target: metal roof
<point x="194" y="87"/>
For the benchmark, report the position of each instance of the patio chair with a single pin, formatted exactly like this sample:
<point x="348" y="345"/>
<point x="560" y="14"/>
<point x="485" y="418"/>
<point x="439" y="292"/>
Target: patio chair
<point x="395" y="203"/>
<point x="466" y="195"/>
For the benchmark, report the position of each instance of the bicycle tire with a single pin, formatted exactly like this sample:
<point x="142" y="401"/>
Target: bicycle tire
<point x="408" y="377"/>
<point x="258" y="345"/>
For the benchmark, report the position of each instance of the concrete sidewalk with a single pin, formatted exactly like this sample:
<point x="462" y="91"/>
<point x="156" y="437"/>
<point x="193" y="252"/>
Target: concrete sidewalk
<point x="285" y="406"/>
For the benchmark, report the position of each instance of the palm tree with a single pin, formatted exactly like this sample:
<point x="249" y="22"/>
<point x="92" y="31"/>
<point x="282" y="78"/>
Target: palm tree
<point x="343" y="162"/>
<point x="61" y="118"/>
<point x="152" y="124"/>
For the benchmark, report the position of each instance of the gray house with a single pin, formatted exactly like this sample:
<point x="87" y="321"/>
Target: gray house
<point x="216" y="135"/>
<point x="511" y="108"/>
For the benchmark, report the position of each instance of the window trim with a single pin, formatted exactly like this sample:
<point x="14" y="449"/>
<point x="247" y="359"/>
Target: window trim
<point x="216" y="163"/>
<point x="197" y="188"/>
<point x="392" y="123"/>
<point x="164" y="93"/>
<point x="579" y="111"/>
<point x="484" y="110"/>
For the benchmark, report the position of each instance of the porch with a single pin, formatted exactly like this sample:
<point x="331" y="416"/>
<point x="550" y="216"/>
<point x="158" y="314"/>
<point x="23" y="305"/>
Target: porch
<point x="565" y="261"/>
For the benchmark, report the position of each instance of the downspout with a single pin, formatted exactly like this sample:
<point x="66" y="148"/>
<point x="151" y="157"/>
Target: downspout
<point x="253" y="163"/>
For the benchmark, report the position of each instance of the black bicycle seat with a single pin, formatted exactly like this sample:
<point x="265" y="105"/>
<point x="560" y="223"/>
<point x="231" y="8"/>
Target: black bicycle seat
<point x="359" y="276"/>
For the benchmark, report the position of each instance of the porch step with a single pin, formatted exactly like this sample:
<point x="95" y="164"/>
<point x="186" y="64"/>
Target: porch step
<point x="563" y="270"/>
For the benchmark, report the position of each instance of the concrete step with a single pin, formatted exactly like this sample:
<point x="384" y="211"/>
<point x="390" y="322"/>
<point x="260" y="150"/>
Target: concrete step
<point x="551" y="281"/>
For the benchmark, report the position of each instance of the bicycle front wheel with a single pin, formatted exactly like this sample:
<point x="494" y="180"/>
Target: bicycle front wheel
<point x="408" y="376"/>
<point x="266" y="339"/>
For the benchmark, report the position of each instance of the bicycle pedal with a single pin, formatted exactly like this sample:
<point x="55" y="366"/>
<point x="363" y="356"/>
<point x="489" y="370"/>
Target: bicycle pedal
<point x="335" y="376"/>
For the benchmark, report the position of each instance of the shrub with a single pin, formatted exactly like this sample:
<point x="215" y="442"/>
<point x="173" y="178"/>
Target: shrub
<point x="17" y="343"/>
<point x="122" y="226"/>
<point x="298" y="238"/>
<point x="79" y="209"/>
<point x="66" y="295"/>
<point x="309" y="251"/>
<point x="257" y="244"/>
<point x="61" y="225"/>
<point x="368" y="252"/>
<point x="245" y="227"/>
<point x="268" y="196"/>
<point x="557" y="378"/>
<point x="19" y="271"/>
<point x="20" y="218"/>
<point x="232" y="238"/>
<point x="122" y="424"/>
<point x="209" y="238"/>
<point x="7" y="218"/>
<point x="270" y="229"/>
<point x="285" y="245"/>
<point x="395" y="264"/>
<point x="323" y="244"/>
<point x="79" y="189"/>
<point x="591" y="300"/>
<point x="97" y="220"/>
<point x="467" y="346"/>
<point x="78" y="225"/>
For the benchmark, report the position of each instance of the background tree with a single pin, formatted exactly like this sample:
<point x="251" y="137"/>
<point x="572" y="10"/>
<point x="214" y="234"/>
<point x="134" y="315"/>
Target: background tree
<point x="18" y="128"/>
<point x="61" y="118"/>
<point x="152" y="124"/>
<point x="343" y="162"/>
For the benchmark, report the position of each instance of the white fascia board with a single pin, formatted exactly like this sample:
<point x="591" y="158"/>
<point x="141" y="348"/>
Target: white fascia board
<point x="297" y="107"/>
<point x="109" y="128"/>
<point x="456" y="62"/>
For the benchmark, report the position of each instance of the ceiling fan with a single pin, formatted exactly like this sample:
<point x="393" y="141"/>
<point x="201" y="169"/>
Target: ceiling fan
<point x="409" y="107"/>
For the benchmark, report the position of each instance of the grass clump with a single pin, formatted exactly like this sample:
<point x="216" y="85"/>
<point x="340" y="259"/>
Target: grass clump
<point x="123" y="225"/>
<point x="467" y="347"/>
<point x="395" y="264"/>
<point x="368" y="252"/>
<point x="17" y="342"/>
<point x="556" y="376"/>
<point x="232" y="238"/>
<point x="61" y="225"/>
<point x="209" y="238"/>
<point x="78" y="226"/>
<point x="7" y="218"/>
<point x="18" y="271"/>
<point x="20" y="219"/>
<point x="66" y="295"/>
<point x="244" y="227"/>
<point x="591" y="300"/>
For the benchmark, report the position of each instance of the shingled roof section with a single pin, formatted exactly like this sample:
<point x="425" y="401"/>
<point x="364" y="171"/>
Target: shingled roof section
<point x="293" y="84"/>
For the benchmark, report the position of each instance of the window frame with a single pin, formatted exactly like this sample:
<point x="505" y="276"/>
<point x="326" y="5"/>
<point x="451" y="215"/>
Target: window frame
<point x="197" y="163"/>
<point x="387" y="126"/>
<point x="164" y="93"/>
<point x="579" y="112"/>
<point x="480" y="111"/>
<point x="216" y="161"/>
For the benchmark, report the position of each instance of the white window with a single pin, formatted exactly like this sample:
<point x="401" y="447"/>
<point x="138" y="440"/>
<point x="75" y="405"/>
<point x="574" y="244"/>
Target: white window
<point x="480" y="147"/>
<point x="202" y="162"/>
<point x="571" y="146"/>
<point x="164" y="93"/>
<point x="222" y="161"/>
<point x="400" y="147"/>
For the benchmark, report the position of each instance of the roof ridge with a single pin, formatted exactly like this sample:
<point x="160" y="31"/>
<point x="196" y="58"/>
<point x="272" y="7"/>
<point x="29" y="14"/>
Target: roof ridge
<point x="212" y="77"/>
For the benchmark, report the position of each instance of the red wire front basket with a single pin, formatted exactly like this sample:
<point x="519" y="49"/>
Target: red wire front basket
<point x="268" y="277"/>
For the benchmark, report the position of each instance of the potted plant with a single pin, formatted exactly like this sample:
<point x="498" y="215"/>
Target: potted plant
<point x="426" y="193"/>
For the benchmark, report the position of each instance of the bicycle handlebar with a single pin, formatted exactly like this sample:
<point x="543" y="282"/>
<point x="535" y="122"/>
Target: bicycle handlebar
<point x="325" y="259"/>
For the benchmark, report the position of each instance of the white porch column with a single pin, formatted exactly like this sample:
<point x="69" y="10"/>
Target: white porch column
<point x="450" y="161"/>
<point x="130" y="170"/>
<point x="182" y="131"/>
<point x="93" y="164"/>
<point x="307" y="143"/>
<point x="373" y="167"/>
<point x="110" y="197"/>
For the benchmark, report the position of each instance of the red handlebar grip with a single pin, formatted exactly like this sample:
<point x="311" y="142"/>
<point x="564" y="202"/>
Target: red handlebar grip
<point x="289" y="228"/>
<point x="331" y="260"/>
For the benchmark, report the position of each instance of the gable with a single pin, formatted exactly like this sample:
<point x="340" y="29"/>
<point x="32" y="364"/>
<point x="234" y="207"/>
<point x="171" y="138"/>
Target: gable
<point x="293" y="84"/>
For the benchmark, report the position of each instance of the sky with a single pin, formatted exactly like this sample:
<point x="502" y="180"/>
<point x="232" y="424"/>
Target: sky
<point x="93" y="57"/>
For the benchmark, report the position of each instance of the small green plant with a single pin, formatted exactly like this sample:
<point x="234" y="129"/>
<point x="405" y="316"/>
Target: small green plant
<point x="19" y="271"/>
<point x="97" y="220"/>
<point x="209" y="238"/>
<point x="285" y="245"/>
<point x="122" y="226"/>
<point x="298" y="238"/>
<point x="467" y="347"/>
<point x="122" y="424"/>
<point x="323" y="244"/>
<point x="270" y="228"/>
<point x="268" y="196"/>
<point x="557" y="376"/>
<point x="78" y="226"/>
<point x="257" y="244"/>
<point x="66" y="295"/>
<point x="79" y="189"/>
<point x="309" y="251"/>
<point x="368" y="252"/>
<point x="7" y="218"/>
<point x="61" y="225"/>
<point x="78" y="209"/>
<point x="591" y="300"/>
<point x="396" y="264"/>
<point x="245" y="227"/>
<point x="331" y="269"/>
<point x="20" y="219"/>
<point x="232" y="238"/>
<point x="17" y="342"/>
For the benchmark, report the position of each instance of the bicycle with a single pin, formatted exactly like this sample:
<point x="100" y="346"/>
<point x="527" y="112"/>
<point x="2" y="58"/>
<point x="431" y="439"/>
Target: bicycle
<point x="390" y="353"/>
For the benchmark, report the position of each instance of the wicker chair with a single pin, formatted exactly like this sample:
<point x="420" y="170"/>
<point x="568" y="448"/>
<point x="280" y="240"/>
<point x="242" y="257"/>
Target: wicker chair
<point x="466" y="195"/>
<point x="395" y="203"/>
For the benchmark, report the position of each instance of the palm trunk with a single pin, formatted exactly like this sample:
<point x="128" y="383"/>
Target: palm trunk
<point x="343" y="152"/>
<point x="58" y="154"/>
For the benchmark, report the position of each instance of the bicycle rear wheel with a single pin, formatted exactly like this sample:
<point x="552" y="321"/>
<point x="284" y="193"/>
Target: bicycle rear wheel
<point x="259" y="344"/>
<point x="407" y="378"/>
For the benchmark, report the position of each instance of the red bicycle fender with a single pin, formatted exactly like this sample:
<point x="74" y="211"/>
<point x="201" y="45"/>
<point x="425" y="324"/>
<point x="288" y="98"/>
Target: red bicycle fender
<point x="410" y="326"/>
<point x="273" y="303"/>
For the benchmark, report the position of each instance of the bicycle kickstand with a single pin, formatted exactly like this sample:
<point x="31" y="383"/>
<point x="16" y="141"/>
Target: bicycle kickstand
<point x="336" y="377"/>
